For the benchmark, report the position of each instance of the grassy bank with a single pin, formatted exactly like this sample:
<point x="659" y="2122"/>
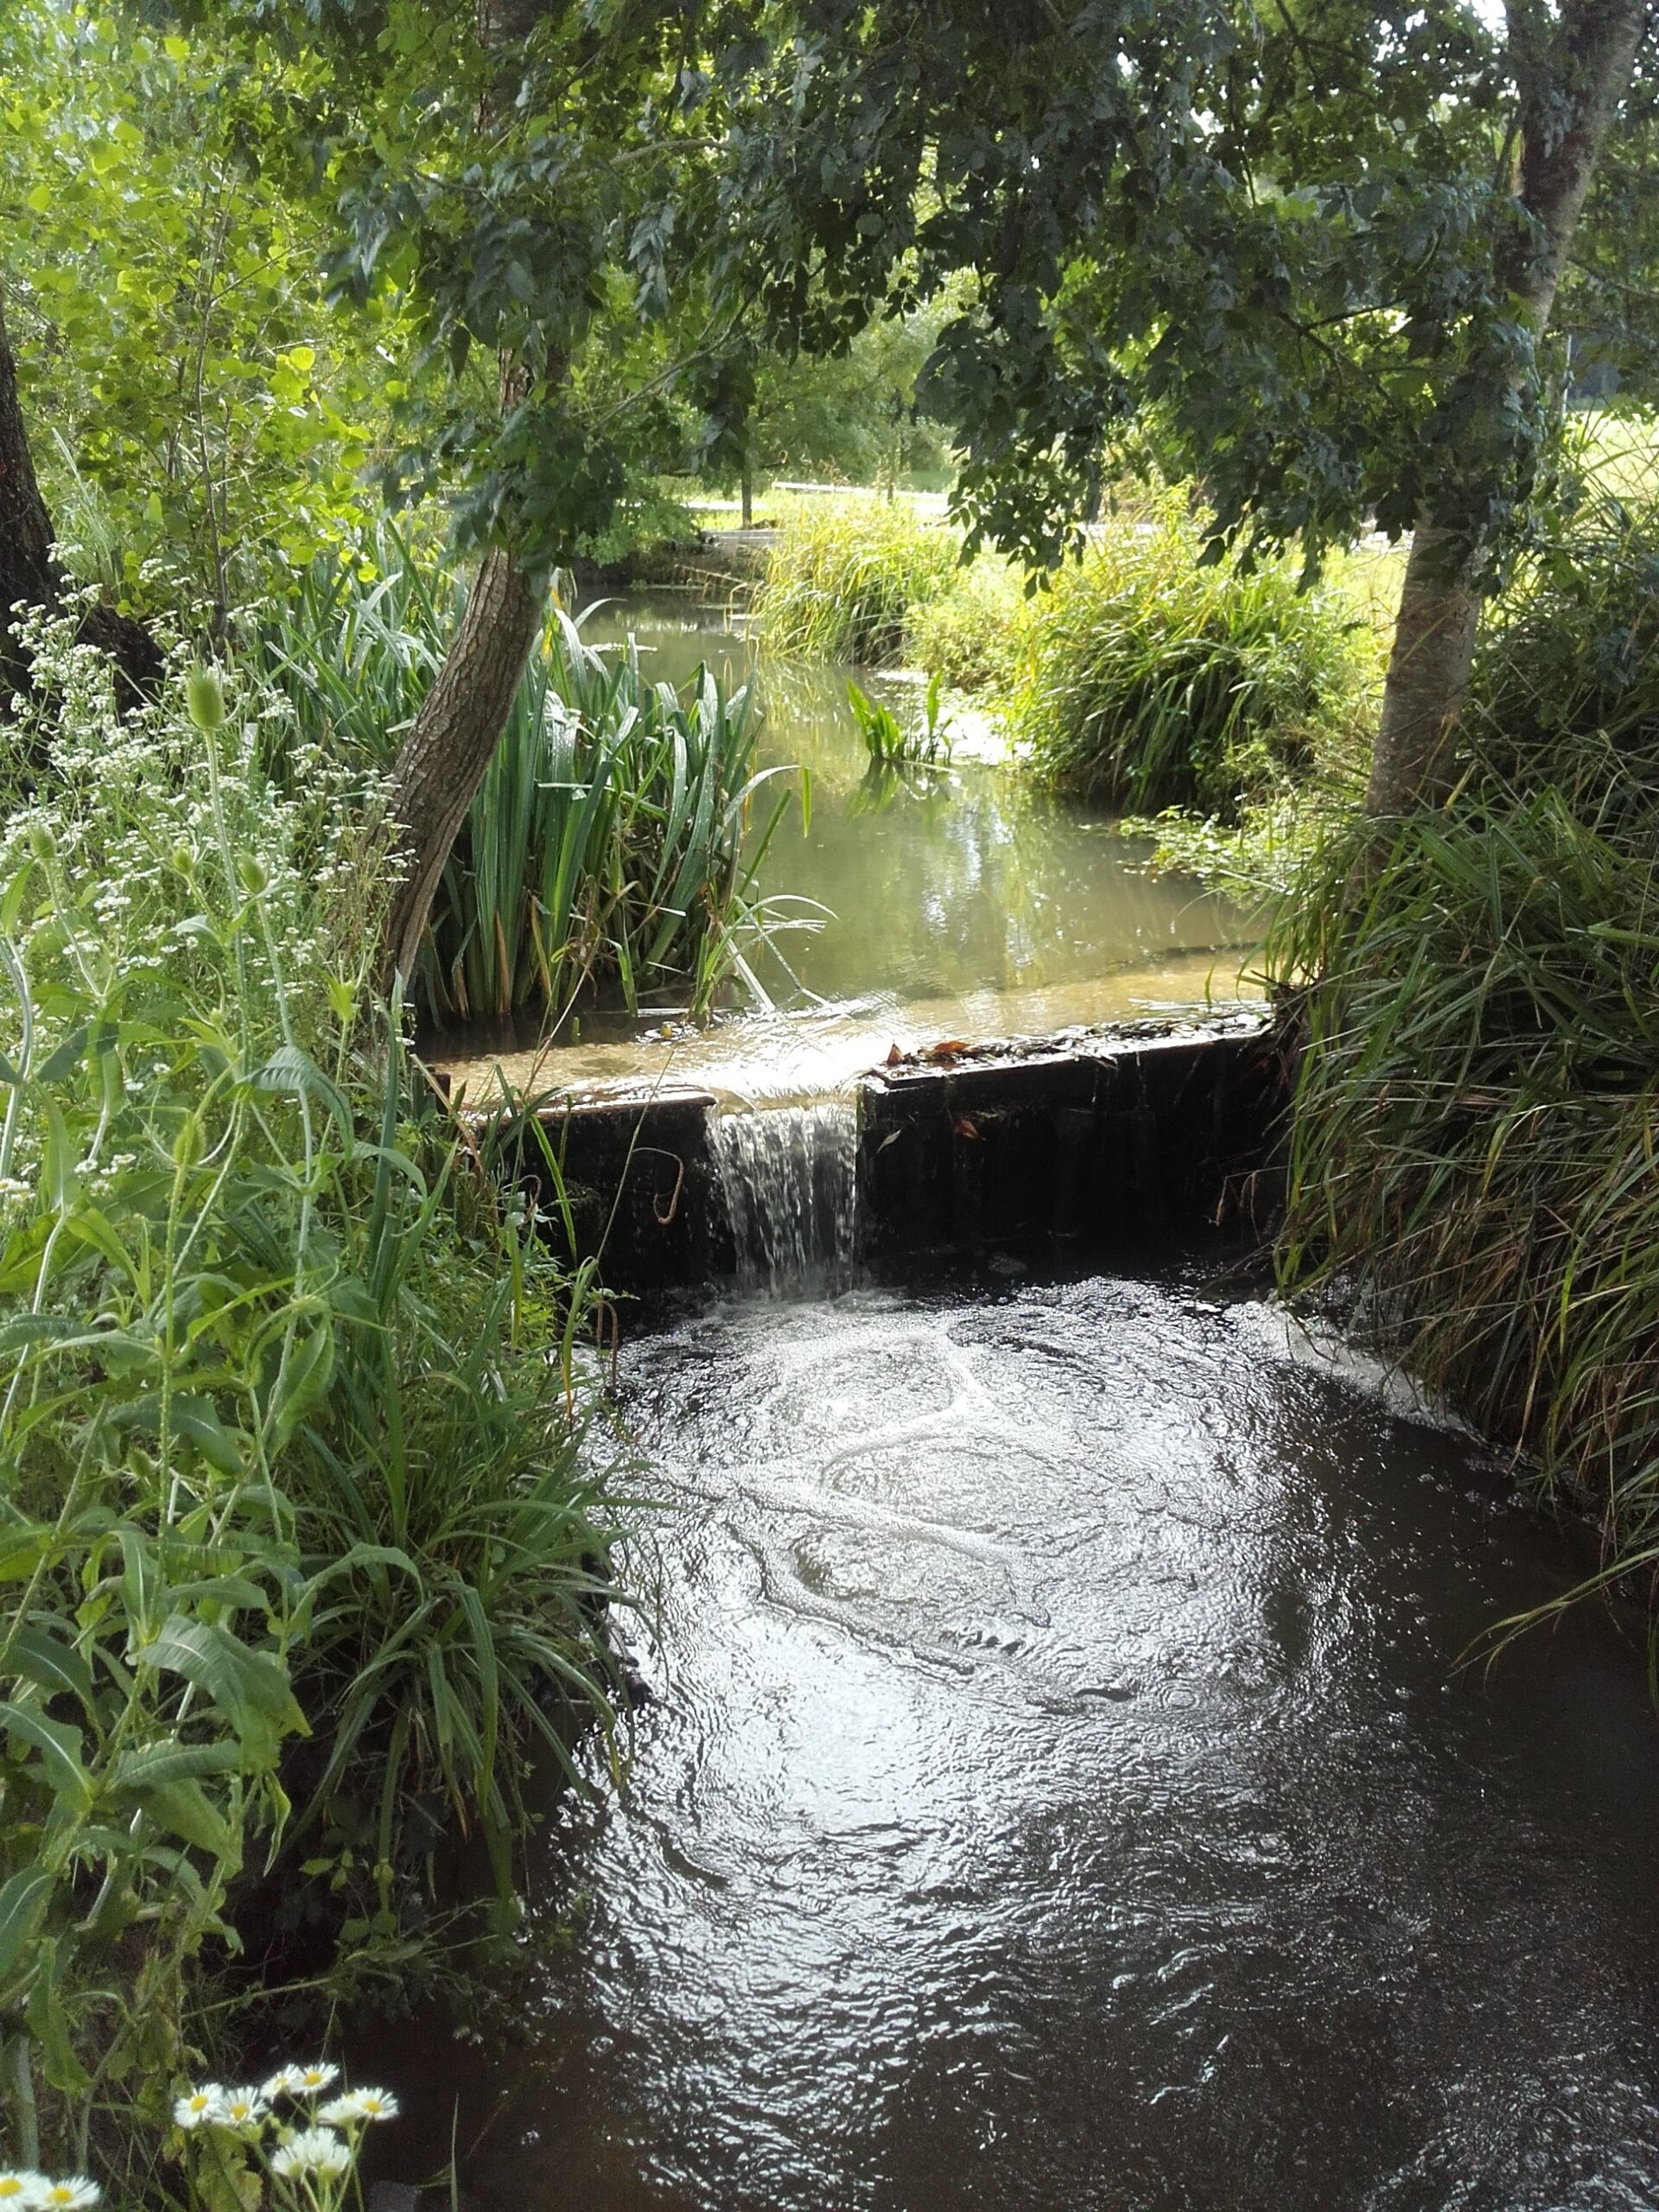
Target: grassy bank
<point x="304" y="1546"/>
<point x="1474" y="1157"/>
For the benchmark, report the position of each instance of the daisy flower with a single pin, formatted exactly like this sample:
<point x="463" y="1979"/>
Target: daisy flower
<point x="240" y="2108"/>
<point x="201" y="2105"/>
<point x="360" y="2104"/>
<point x="313" y="2151"/>
<point x="20" y="2190"/>
<point x="72" y="2196"/>
<point x="287" y="2082"/>
<point x="311" y="2081"/>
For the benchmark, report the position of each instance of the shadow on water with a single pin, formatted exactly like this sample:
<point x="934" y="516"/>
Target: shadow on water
<point x="1059" y="1791"/>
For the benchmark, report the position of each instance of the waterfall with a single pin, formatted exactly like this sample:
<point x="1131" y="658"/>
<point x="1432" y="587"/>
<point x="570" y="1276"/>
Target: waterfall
<point x="787" y="1172"/>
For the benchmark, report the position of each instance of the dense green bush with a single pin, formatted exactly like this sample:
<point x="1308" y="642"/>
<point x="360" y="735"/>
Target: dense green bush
<point x="609" y="851"/>
<point x="1474" y="1134"/>
<point x="300" y="1540"/>
<point x="1150" y="679"/>
<point x="845" y="577"/>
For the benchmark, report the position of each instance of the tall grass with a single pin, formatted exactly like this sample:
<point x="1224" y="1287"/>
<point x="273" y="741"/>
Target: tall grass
<point x="304" y="1553"/>
<point x="1474" y="1138"/>
<point x="1150" y="679"/>
<point x="612" y="849"/>
<point x="844" y="579"/>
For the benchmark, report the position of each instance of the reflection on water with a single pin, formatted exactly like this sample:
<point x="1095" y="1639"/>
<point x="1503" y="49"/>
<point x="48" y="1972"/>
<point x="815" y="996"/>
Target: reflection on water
<point x="973" y="905"/>
<point x="1059" y="1793"/>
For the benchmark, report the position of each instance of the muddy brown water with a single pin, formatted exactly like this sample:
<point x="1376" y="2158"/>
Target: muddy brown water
<point x="1059" y="1791"/>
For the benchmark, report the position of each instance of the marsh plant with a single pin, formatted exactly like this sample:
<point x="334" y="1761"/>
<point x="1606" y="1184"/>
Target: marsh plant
<point x="1474" y="1140"/>
<point x="302" y="1549"/>
<point x="846" y="577"/>
<point x="612" y="850"/>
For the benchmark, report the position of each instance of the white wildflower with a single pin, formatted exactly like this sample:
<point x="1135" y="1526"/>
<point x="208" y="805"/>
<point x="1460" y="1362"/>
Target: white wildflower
<point x="299" y="2082"/>
<point x="20" y="2189"/>
<point x="313" y="2151"/>
<point x="357" y="2105"/>
<point x="72" y="2196"/>
<point x="201" y="2106"/>
<point x="241" y="2108"/>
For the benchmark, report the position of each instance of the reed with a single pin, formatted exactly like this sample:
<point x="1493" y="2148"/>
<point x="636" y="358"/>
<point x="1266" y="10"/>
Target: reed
<point x="1473" y="1156"/>
<point x="612" y="850"/>
<point x="845" y="578"/>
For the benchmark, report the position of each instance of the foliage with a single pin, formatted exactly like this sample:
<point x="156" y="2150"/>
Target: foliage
<point x="290" y="1495"/>
<point x="1150" y="679"/>
<point x="610" y="850"/>
<point x="973" y="632"/>
<point x="1474" y="1130"/>
<point x="888" y="740"/>
<point x="843" y="580"/>
<point x="208" y="414"/>
<point x="1284" y="245"/>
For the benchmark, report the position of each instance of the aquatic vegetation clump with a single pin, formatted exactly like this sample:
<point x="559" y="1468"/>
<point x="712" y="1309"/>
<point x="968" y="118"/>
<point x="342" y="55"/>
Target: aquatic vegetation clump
<point x="845" y="579"/>
<point x="1151" y="678"/>
<point x="610" y="854"/>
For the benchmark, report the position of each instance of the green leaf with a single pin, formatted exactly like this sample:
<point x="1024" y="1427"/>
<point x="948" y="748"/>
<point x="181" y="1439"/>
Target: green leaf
<point x="53" y="1666"/>
<point x="59" y="1745"/>
<point x="250" y="1688"/>
<point x="23" y="1908"/>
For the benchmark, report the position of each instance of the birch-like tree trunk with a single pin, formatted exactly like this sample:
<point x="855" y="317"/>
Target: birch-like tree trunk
<point x="1574" y="73"/>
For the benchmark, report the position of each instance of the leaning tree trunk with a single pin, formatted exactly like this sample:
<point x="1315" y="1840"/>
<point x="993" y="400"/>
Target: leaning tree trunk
<point x="441" y="763"/>
<point x="1570" y="95"/>
<point x="30" y="574"/>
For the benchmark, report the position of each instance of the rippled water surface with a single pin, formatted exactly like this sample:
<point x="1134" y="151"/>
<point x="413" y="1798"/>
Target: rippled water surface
<point x="1058" y="1793"/>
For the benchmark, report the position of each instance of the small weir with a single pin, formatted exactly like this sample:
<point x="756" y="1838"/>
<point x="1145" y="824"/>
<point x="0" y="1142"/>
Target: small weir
<point x="788" y="1176"/>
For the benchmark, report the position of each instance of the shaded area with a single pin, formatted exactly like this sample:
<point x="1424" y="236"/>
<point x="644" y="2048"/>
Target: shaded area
<point x="1060" y="1793"/>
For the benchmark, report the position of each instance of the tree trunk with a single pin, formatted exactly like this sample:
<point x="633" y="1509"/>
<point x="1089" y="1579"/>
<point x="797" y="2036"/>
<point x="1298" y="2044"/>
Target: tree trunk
<point x="29" y="573"/>
<point x="1570" y="93"/>
<point x="441" y="763"/>
<point x="746" y="494"/>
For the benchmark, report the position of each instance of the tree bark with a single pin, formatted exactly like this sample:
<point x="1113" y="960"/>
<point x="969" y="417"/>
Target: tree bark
<point x="29" y="573"/>
<point x="1570" y="93"/>
<point x="441" y="763"/>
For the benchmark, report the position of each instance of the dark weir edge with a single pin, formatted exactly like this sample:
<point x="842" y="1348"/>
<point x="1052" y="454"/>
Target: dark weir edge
<point x="1088" y="1138"/>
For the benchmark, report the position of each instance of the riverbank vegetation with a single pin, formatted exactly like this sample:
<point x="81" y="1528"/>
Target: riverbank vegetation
<point x="304" y="1555"/>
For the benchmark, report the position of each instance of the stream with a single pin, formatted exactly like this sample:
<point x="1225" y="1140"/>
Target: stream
<point x="1058" y="1788"/>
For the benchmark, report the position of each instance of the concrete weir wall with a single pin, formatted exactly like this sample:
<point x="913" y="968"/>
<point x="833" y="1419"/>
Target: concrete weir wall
<point x="1089" y="1137"/>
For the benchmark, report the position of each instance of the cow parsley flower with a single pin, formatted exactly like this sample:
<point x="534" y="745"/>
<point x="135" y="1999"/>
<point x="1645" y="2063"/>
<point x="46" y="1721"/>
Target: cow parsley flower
<point x="313" y="2151"/>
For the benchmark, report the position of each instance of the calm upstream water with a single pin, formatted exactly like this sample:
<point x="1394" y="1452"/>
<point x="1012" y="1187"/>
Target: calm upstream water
<point x="973" y="906"/>
<point x="1059" y="1791"/>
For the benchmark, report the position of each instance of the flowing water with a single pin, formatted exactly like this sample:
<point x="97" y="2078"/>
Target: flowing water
<point x="1059" y="1791"/>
